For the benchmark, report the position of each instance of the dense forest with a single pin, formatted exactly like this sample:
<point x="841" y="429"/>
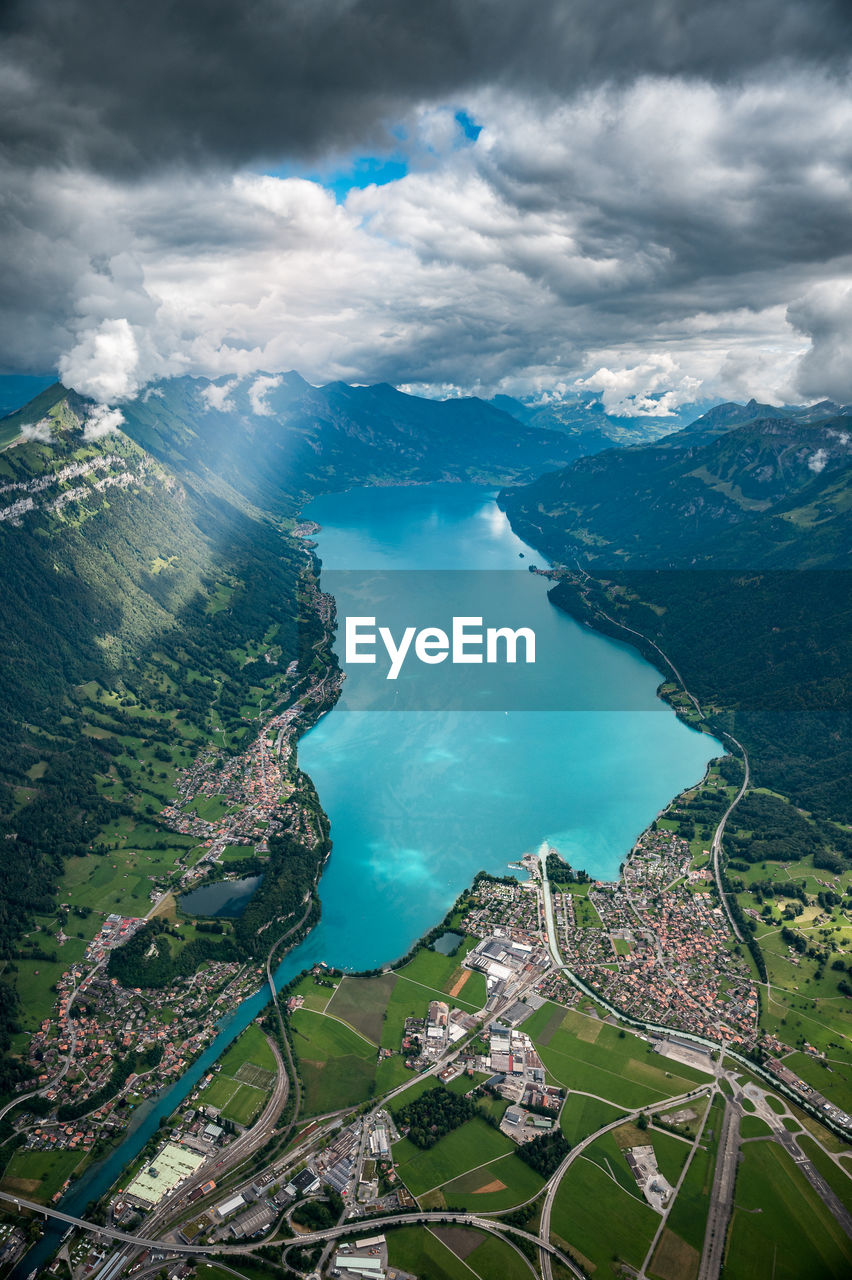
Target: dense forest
<point x="434" y="1114"/>
<point x="545" y="1153"/>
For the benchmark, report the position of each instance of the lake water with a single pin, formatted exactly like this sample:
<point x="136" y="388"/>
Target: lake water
<point x="419" y="800"/>
<point x="225" y="898"/>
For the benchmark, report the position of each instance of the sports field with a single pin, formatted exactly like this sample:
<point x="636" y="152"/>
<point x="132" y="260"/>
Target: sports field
<point x="245" y="1079"/>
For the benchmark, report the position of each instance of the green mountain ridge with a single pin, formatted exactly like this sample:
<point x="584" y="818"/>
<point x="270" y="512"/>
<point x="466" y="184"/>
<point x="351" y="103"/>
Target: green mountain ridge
<point x="770" y="493"/>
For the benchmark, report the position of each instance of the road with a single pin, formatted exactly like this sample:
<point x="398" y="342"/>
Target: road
<point x="368" y="1225"/>
<point x="722" y="1195"/>
<point x="716" y="848"/>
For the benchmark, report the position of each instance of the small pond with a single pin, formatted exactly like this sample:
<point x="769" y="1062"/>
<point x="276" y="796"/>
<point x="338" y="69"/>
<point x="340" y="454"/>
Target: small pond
<point x="224" y="898"/>
<point x="448" y="943"/>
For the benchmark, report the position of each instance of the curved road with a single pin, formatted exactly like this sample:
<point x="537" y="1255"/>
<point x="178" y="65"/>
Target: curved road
<point x="716" y="849"/>
<point x="369" y="1225"/>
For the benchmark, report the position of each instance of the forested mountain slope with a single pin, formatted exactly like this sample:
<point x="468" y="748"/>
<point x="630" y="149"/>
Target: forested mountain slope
<point x="154" y="601"/>
<point x="732" y="554"/>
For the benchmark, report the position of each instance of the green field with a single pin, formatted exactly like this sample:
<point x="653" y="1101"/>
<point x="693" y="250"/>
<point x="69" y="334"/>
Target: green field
<point x="582" y="1116"/>
<point x="793" y="1236"/>
<point x="245" y="1078"/>
<point x="440" y="974"/>
<point x="472" y="1144"/>
<point x="362" y="1002"/>
<point x="252" y="1046"/>
<point x="453" y="1253"/>
<point x="338" y="1067"/>
<point x="595" y="1219"/>
<point x="38" y="1175"/>
<point x="688" y="1216"/>
<point x="593" y="1056"/>
<point x="674" y="1259"/>
<point x="520" y="1184"/>
<point x="245" y="1104"/>
<point x="315" y="994"/>
<point x="754" y="1127"/>
<point x="390" y="1074"/>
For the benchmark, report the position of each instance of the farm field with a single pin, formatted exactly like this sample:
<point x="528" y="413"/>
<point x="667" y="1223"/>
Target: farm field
<point x="448" y="1253"/>
<point x="519" y="1184"/>
<point x="38" y="1175"/>
<point x="599" y="1222"/>
<point x="442" y="974"/>
<point x="582" y="1115"/>
<point x="674" y="1259"/>
<point x="338" y="1066"/>
<point x="688" y="1216"/>
<point x="586" y="1054"/>
<point x="793" y="1235"/>
<point x="252" y="1046"/>
<point x="316" y="994"/>
<point x="361" y="1002"/>
<point x="472" y="1144"/>
<point x="453" y="1253"/>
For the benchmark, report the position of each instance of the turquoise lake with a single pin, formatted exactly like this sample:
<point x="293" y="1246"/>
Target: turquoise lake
<point x="419" y="801"/>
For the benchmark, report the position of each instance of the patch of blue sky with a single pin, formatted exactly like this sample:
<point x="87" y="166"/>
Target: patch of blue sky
<point x="468" y="126"/>
<point x="377" y="170"/>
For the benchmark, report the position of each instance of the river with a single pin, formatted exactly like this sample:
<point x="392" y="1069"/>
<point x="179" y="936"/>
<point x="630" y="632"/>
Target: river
<point x="422" y="796"/>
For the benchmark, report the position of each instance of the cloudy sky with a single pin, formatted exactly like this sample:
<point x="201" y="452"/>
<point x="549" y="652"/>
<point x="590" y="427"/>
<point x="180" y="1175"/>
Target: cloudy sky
<point x="651" y="198"/>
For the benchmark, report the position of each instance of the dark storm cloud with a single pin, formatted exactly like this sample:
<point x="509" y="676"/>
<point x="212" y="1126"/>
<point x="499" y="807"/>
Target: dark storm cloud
<point x="130" y="85"/>
<point x="658" y="199"/>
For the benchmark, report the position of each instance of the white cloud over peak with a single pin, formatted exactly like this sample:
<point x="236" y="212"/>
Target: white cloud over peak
<point x="104" y="363"/>
<point x="259" y="390"/>
<point x="102" y="421"/>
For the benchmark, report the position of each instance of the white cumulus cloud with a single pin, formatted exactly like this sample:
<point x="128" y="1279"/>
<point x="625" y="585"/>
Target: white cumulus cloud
<point x="102" y="421"/>
<point x="259" y="390"/>
<point x="104" y="363"/>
